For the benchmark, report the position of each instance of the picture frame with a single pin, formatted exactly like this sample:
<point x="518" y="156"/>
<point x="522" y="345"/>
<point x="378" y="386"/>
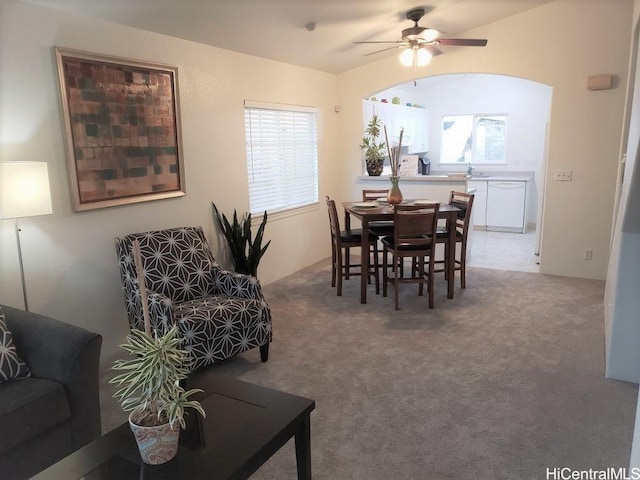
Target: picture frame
<point x="122" y="129"/>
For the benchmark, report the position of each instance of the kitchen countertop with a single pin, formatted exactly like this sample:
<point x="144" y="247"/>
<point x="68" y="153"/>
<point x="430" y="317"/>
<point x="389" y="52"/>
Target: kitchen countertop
<point x="499" y="177"/>
<point x="417" y="178"/>
<point x="502" y="178"/>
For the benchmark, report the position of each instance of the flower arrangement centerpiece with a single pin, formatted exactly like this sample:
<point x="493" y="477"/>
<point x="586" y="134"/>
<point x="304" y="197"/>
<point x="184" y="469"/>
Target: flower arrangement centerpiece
<point x="373" y="150"/>
<point x="395" y="195"/>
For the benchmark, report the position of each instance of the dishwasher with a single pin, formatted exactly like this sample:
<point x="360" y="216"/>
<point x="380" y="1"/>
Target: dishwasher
<point x="506" y="206"/>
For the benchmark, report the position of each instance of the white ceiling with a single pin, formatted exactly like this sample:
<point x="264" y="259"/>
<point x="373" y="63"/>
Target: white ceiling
<point x="275" y="29"/>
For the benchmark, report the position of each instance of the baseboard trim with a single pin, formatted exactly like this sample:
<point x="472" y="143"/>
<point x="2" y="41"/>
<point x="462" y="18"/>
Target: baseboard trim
<point x="505" y="229"/>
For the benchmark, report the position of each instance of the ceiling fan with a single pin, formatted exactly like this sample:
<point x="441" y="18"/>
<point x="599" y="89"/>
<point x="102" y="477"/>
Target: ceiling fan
<point x="419" y="43"/>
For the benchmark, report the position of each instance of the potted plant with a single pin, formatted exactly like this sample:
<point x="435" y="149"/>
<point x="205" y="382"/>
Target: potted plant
<point x="246" y="251"/>
<point x="150" y="386"/>
<point x="374" y="151"/>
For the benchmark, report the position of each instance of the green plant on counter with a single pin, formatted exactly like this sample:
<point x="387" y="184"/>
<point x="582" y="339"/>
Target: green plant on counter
<point x="246" y="251"/>
<point x="374" y="151"/>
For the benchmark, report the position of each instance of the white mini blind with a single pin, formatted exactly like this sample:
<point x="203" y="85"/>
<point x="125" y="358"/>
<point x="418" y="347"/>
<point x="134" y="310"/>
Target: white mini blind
<point x="282" y="156"/>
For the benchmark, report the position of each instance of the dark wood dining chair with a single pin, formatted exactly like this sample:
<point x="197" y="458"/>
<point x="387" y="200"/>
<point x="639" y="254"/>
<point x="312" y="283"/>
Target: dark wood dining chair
<point x="380" y="228"/>
<point x="342" y="241"/>
<point x="414" y="237"/>
<point x="464" y="201"/>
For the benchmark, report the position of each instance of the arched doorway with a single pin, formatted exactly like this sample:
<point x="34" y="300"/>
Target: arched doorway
<point x="523" y="107"/>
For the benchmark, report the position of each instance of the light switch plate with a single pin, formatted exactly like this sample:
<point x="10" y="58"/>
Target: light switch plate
<point x="563" y="175"/>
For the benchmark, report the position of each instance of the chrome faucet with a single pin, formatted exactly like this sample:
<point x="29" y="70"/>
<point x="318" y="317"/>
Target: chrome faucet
<point x="470" y="170"/>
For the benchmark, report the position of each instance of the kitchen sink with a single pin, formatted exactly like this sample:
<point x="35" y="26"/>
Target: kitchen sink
<point x="480" y="175"/>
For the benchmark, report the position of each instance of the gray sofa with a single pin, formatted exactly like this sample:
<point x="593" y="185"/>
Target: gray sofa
<point x="57" y="410"/>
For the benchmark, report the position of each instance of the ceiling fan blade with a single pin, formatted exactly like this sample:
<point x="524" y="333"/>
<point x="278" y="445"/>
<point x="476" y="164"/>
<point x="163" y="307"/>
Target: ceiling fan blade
<point x="462" y="42"/>
<point x="432" y="50"/>
<point x="390" y="41"/>
<point x="383" y="50"/>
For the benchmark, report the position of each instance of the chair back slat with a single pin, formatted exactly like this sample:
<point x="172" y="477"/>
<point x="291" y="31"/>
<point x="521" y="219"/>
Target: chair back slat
<point x="368" y="195"/>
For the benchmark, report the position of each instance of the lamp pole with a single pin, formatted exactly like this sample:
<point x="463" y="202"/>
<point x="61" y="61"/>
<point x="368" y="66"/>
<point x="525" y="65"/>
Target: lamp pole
<point x="24" y="285"/>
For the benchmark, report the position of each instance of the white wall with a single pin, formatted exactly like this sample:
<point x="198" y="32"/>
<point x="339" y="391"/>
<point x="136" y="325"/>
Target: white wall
<point x="553" y="44"/>
<point x="70" y="262"/>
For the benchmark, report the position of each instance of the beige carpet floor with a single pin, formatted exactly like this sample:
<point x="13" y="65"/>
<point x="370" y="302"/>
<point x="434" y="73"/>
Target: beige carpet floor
<point x="502" y="382"/>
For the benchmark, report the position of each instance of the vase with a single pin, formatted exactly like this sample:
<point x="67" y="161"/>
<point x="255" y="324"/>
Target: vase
<point x="394" y="196"/>
<point x="374" y="169"/>
<point x="156" y="444"/>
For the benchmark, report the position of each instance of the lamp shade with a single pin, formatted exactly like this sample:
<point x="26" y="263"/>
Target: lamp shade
<point x="24" y="189"/>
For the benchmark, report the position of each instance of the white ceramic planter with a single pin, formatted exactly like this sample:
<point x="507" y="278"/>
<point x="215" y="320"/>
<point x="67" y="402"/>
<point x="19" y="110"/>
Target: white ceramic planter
<point x="156" y="444"/>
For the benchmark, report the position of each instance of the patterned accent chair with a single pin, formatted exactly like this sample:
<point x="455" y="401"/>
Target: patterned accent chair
<point x="219" y="313"/>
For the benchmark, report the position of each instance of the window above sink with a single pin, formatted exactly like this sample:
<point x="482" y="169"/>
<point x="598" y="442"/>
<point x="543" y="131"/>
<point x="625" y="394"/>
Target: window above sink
<point x="475" y="139"/>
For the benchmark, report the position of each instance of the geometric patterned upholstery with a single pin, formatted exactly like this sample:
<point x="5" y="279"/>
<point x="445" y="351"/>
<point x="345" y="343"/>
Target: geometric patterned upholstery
<point x="219" y="313"/>
<point x="11" y="365"/>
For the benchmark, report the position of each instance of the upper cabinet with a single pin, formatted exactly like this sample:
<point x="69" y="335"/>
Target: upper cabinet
<point x="415" y="122"/>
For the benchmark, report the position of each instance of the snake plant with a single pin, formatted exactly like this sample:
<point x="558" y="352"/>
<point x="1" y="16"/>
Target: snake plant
<point x="246" y="251"/>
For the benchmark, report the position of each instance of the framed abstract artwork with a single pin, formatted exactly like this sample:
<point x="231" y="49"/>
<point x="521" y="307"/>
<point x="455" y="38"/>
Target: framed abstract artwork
<point x="122" y="129"/>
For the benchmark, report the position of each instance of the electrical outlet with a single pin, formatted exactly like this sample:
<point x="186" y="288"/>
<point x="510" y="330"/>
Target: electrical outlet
<point x="588" y="254"/>
<point x="563" y="175"/>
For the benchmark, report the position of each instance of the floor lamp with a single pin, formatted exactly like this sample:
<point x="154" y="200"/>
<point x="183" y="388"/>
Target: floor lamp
<point x="24" y="192"/>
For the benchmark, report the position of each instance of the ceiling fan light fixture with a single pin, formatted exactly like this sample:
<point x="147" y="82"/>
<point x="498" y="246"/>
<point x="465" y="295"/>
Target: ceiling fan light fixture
<point x="406" y="57"/>
<point x="423" y="57"/>
<point x="415" y="56"/>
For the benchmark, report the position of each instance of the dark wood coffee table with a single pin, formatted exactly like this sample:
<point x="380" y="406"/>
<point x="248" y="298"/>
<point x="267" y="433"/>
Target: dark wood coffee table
<point x="245" y="425"/>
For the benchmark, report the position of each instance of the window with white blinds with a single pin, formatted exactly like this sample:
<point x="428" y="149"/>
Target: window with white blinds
<point x="282" y="156"/>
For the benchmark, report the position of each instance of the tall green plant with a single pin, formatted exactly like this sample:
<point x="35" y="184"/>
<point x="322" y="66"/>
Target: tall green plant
<point x="246" y="251"/>
<point x="374" y="151"/>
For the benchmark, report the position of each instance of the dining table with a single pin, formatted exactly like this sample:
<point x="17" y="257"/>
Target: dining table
<point x="368" y="212"/>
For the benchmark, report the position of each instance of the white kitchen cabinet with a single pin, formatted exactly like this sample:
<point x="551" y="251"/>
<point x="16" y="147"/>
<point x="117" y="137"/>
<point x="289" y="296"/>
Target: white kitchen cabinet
<point x="414" y="121"/>
<point x="479" y="202"/>
<point x="506" y="206"/>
